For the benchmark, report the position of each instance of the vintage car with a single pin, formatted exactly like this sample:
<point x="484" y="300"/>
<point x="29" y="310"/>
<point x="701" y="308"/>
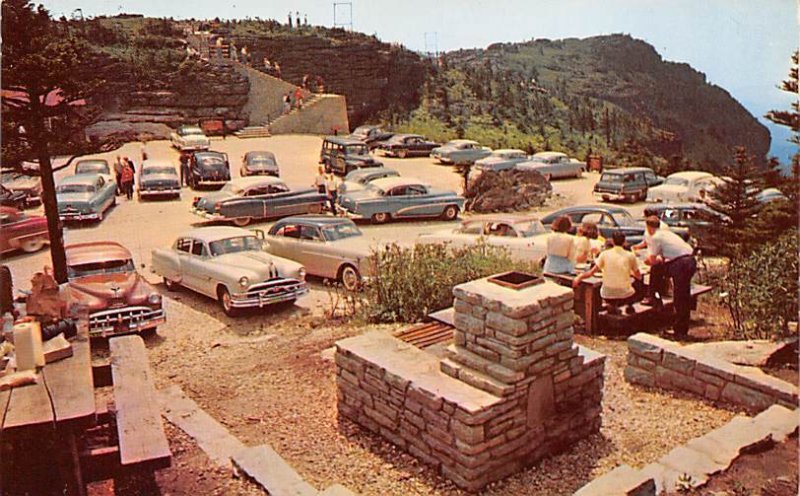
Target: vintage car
<point x="208" y="168"/>
<point x="190" y="138"/>
<point x="407" y="145"/>
<point x="245" y="199"/>
<point x="681" y="187"/>
<point x="158" y="178"/>
<point x="371" y="135"/>
<point x="626" y="184"/>
<point x="500" y="160"/>
<point x="85" y="197"/>
<point x="398" y="198"/>
<point x="770" y="195"/>
<point x="553" y="165"/>
<point x="19" y="231"/>
<point x="524" y="237"/>
<point x="356" y="179"/>
<point x="14" y="199"/>
<point x="230" y="265"/>
<point x="330" y="247"/>
<point x="609" y="219"/>
<point x="30" y="186"/>
<point x="93" y="166"/>
<point x="103" y="280"/>
<point x="259" y="164"/>
<point x="688" y="215"/>
<point x="342" y="155"/>
<point x="460" y="152"/>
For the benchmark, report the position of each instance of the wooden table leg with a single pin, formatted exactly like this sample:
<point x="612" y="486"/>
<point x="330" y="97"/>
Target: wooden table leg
<point x="75" y="483"/>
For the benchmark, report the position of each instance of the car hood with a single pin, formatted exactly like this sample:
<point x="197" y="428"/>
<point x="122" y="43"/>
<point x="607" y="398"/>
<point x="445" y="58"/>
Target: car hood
<point x="356" y="246"/>
<point x="106" y="289"/>
<point x="23" y="183"/>
<point x="66" y="198"/>
<point x="258" y="264"/>
<point x="207" y="202"/>
<point x="667" y="190"/>
<point x="193" y="138"/>
<point x="153" y="178"/>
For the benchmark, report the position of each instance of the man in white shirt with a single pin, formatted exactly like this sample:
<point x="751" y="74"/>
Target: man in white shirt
<point x="658" y="275"/>
<point x="677" y="257"/>
<point x="619" y="269"/>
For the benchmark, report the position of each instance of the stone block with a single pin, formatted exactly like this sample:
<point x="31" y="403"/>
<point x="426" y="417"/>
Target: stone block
<point x="459" y="338"/>
<point x="468" y="324"/>
<point x="670" y="379"/>
<point x="437" y="419"/>
<point x="380" y="418"/>
<point x="678" y="362"/>
<point x="699" y="465"/>
<point x="541" y="366"/>
<point x="449" y="367"/>
<point x="568" y="354"/>
<point x="712" y="392"/>
<point x="470" y="434"/>
<point x="521" y="311"/>
<point x="714" y="380"/>
<point x="440" y="435"/>
<point x="505" y="324"/>
<point x="425" y="398"/>
<point x="393" y="437"/>
<point x="463" y="306"/>
<point x="502" y="348"/>
<point x="349" y="364"/>
<point x="509" y="376"/>
<point x="541" y="402"/>
<point x="780" y="421"/>
<point x="423" y="456"/>
<point x="738" y="436"/>
<point x="767" y="384"/>
<point x="635" y="375"/>
<point x="479" y="350"/>
<point x="648" y="346"/>
<point x="414" y="419"/>
<point x="622" y="481"/>
<point x="543" y="342"/>
<point x="347" y="376"/>
<point x="557" y="347"/>
<point x="396" y="381"/>
<point x="716" y="367"/>
<point x="263" y="465"/>
<point x="746" y="397"/>
<point x="460" y="293"/>
<point x="641" y="362"/>
<point x="485" y="382"/>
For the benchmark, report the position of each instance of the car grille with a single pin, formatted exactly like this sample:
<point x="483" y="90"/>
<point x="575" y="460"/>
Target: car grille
<point x="274" y="287"/>
<point x="119" y="320"/>
<point x="160" y="185"/>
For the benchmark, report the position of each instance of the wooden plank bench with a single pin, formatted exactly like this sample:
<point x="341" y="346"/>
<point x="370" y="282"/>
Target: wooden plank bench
<point x="142" y="442"/>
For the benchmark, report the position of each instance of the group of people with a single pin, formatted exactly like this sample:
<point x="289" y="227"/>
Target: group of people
<point x="327" y="184"/>
<point x="293" y="100"/>
<point x="125" y="172"/>
<point x="667" y="255"/>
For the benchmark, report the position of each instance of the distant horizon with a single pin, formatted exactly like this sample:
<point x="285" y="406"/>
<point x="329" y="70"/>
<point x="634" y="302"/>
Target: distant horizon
<point x="744" y="47"/>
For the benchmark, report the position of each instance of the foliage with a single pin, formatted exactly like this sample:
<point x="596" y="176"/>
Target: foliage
<point x="789" y="118"/>
<point x="762" y="289"/>
<point x="410" y="283"/>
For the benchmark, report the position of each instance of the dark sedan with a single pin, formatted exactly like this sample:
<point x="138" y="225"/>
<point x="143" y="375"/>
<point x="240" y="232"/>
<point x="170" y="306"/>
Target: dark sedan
<point x="10" y="198"/>
<point x="407" y="145"/>
<point x="608" y="219"/>
<point x="371" y="135"/>
<point x="262" y="163"/>
<point x="209" y="169"/>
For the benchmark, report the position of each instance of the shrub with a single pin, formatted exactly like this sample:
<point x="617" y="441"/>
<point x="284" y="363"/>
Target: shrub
<point x="761" y="290"/>
<point x="410" y="283"/>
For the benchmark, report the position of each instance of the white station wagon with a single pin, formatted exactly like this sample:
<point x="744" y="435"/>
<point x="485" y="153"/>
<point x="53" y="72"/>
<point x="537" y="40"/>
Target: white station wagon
<point x="682" y="187"/>
<point x="230" y="265"/>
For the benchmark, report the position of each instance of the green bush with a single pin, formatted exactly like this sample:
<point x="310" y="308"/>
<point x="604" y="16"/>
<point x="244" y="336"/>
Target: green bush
<point x="762" y="290"/>
<point x="410" y="283"/>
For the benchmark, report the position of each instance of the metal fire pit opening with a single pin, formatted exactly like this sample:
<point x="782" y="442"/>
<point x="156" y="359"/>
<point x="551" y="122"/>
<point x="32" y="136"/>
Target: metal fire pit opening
<point x="516" y="280"/>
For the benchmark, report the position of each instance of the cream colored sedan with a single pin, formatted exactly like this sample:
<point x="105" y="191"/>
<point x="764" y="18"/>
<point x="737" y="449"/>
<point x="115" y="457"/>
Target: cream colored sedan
<point x="329" y="247"/>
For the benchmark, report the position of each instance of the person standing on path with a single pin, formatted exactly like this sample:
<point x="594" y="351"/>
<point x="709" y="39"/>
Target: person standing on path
<point x="287" y="103"/>
<point x="678" y="258"/>
<point x="184" y="169"/>
<point x="127" y="181"/>
<point x="331" y="186"/>
<point x="118" y="166"/>
<point x="298" y="98"/>
<point x="320" y="180"/>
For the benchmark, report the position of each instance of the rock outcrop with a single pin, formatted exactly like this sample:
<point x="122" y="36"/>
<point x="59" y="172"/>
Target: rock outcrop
<point x="506" y="191"/>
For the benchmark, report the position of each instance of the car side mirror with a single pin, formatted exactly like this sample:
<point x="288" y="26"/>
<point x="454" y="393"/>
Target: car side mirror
<point x="259" y="233"/>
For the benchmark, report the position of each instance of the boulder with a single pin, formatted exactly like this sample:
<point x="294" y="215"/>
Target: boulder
<point x="506" y="191"/>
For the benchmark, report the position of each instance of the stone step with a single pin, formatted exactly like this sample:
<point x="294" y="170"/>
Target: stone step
<point x="263" y="465"/>
<point x="471" y="359"/>
<point x="253" y="132"/>
<point x="475" y="378"/>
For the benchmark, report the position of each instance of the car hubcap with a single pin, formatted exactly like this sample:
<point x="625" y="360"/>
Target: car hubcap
<point x="350" y="278"/>
<point x="226" y="302"/>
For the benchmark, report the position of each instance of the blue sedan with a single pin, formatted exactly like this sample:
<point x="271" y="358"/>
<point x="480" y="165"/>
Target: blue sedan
<point x="85" y="197"/>
<point x="400" y="197"/>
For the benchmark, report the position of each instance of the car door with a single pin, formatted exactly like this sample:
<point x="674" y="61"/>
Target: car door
<point x="182" y="251"/>
<point x="503" y="235"/>
<point x="418" y="201"/>
<point x="309" y="252"/>
<point x="284" y="242"/>
<point x="7" y="231"/>
<point x="256" y="202"/>
<point x="196" y="265"/>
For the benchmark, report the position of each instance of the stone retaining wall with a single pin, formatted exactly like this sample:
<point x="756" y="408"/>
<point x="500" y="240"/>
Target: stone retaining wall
<point x="513" y="389"/>
<point x="653" y="361"/>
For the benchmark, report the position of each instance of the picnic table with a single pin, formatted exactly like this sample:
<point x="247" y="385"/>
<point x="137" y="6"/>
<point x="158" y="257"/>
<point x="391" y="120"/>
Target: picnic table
<point x="62" y="404"/>
<point x="588" y="304"/>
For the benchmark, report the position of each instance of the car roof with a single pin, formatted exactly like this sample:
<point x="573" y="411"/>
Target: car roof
<point x="260" y="153"/>
<point x="677" y="206"/>
<point x="507" y="219"/>
<point x="460" y="141"/>
<point x="368" y="171"/>
<point x="387" y="183"/>
<point x="315" y="219"/>
<point x="580" y="208"/>
<point x="85" y="178"/>
<point x="190" y="126"/>
<point x="156" y="163"/>
<point x="507" y="150"/>
<point x="90" y="160"/>
<point x="214" y="233"/>
<point x="400" y="136"/>
<point x="549" y="154"/>
<point x="625" y="170"/>
<point x="690" y="175"/>
<point x="344" y="140"/>
<point x="249" y="181"/>
<point x="96" y="251"/>
<point x="200" y="153"/>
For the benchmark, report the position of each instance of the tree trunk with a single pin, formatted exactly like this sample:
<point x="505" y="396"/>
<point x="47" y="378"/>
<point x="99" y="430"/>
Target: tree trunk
<point x="40" y="144"/>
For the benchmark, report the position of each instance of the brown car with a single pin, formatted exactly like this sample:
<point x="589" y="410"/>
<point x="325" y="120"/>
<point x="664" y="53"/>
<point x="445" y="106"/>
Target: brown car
<point x="19" y="231"/>
<point x="103" y="279"/>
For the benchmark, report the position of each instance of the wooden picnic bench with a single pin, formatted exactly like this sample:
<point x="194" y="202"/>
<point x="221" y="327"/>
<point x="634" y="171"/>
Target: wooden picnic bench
<point x="589" y="306"/>
<point x="141" y="444"/>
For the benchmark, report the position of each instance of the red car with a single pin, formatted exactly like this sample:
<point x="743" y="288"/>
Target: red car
<point x="19" y="231"/>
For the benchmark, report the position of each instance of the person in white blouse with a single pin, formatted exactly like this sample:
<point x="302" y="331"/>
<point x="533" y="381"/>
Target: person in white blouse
<point x="620" y="269"/>
<point x="560" y="248"/>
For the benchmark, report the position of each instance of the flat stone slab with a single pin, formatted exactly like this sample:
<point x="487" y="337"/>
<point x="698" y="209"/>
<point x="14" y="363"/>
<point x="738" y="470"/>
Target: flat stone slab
<point x="511" y="302"/>
<point x="212" y="437"/>
<point x="622" y="481"/>
<point x="263" y="465"/>
<point x="780" y="421"/>
<point x="755" y="353"/>
<point x="419" y="367"/>
<point x="446" y="316"/>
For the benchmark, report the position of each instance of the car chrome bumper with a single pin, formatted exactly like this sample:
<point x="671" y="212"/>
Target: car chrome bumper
<point x="211" y="182"/>
<point x="157" y="192"/>
<point x="609" y="196"/>
<point x="268" y="296"/>
<point x="207" y="215"/>
<point x="124" y="320"/>
<point x="77" y="216"/>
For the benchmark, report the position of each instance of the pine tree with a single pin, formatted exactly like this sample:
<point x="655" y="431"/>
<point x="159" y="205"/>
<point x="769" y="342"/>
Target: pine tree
<point x="789" y="118"/>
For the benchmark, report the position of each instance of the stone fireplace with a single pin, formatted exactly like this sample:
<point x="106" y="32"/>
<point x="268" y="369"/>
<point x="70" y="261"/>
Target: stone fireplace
<point x="511" y="389"/>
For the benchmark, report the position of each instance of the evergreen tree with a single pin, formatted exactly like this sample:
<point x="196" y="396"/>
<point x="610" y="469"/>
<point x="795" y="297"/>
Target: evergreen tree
<point x="789" y="118"/>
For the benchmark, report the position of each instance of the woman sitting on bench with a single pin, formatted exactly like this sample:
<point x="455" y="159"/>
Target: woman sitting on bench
<point x="620" y="268"/>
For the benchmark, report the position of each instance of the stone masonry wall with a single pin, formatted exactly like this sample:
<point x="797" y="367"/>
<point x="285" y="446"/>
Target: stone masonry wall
<point x="653" y="361"/>
<point x="479" y="419"/>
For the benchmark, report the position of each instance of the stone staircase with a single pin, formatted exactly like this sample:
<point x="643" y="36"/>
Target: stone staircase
<point x="253" y="132"/>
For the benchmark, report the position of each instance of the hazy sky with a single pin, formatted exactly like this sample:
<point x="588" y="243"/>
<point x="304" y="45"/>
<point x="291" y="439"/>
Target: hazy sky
<point x="743" y="46"/>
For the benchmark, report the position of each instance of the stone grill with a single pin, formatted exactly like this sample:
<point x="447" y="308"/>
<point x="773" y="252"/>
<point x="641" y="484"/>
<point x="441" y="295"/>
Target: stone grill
<point x="512" y="389"/>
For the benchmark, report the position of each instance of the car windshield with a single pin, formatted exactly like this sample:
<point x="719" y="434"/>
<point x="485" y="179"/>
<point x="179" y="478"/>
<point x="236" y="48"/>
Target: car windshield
<point x="340" y="231"/>
<point x="75" y="188"/>
<point x="84" y="167"/>
<point x="235" y="245"/>
<point x="158" y="170"/>
<point x="261" y="160"/>
<point x="98" y="268"/>
<point x="676" y="181"/>
<point x="357" y="150"/>
<point x="232" y="189"/>
<point x="623" y="218"/>
<point x="611" y="178"/>
<point x="186" y="131"/>
<point x="375" y="189"/>
<point x="214" y="161"/>
<point x="529" y="228"/>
